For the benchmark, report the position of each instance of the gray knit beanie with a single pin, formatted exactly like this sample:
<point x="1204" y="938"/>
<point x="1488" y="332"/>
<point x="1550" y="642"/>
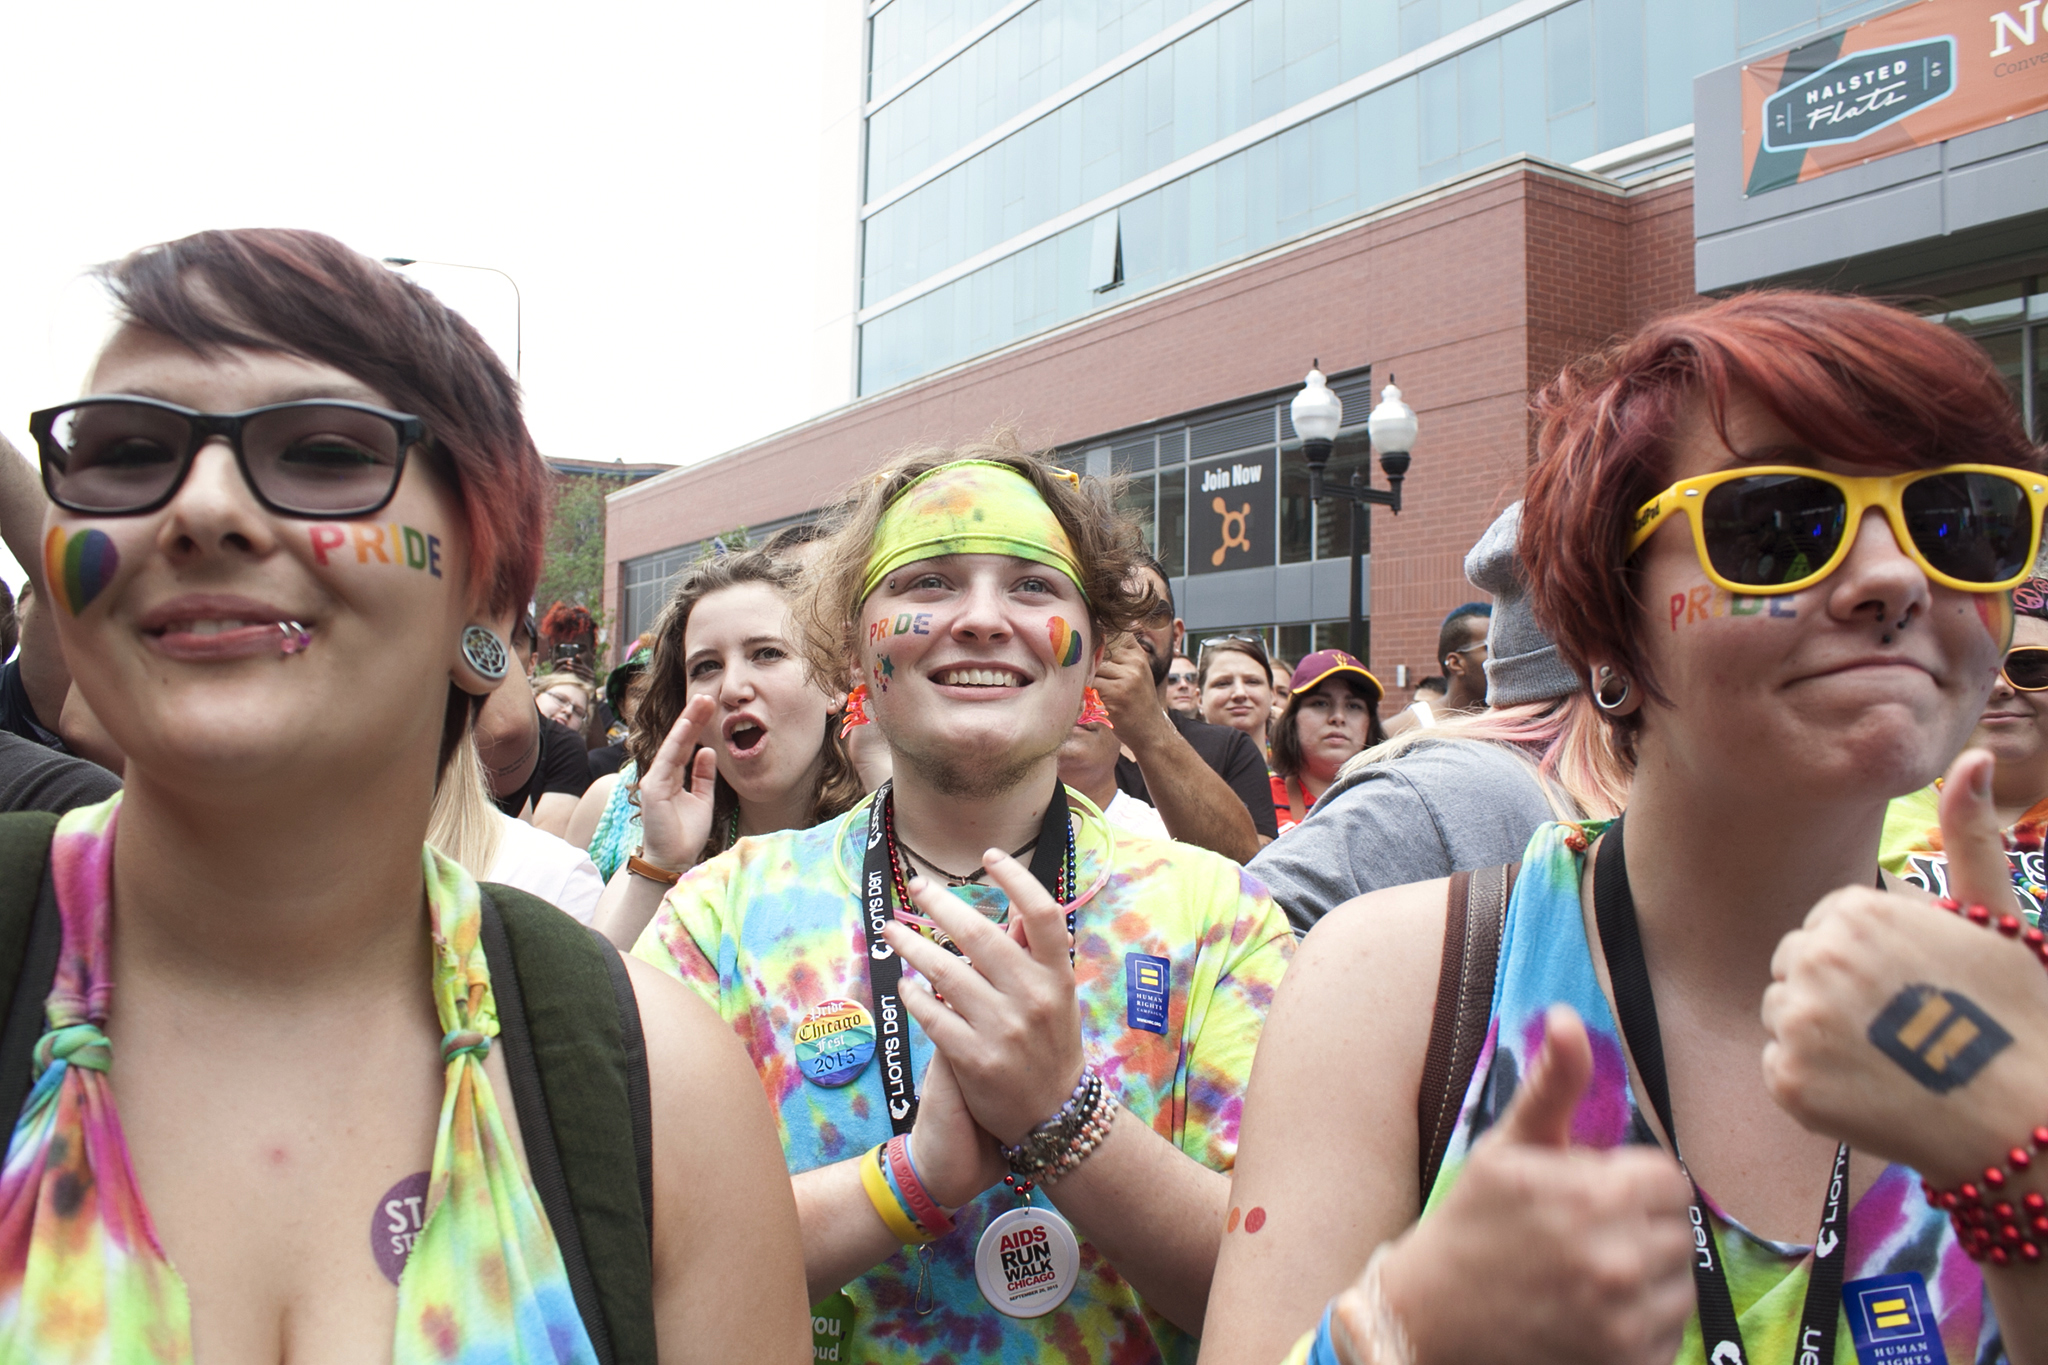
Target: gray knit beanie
<point x="1523" y="665"/>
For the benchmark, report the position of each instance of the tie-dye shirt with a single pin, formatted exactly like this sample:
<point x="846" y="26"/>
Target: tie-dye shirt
<point x="1911" y="848"/>
<point x="1545" y="958"/>
<point x="769" y="929"/>
<point x="82" y="1275"/>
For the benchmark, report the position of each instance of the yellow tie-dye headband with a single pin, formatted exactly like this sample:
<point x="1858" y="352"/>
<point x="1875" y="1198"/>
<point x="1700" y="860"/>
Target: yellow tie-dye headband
<point x="970" y="507"/>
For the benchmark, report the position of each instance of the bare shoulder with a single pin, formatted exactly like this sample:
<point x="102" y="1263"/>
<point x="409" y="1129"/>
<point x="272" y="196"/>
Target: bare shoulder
<point x="1376" y="956"/>
<point x="687" y="1043"/>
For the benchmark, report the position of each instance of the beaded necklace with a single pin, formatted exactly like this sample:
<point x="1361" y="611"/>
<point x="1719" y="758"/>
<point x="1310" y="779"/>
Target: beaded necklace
<point x="1063" y="890"/>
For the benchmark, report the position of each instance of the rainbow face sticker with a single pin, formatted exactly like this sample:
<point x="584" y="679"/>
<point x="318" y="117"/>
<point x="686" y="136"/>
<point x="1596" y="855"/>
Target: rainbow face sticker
<point x="1994" y="609"/>
<point x="1066" y="642"/>
<point x="78" y="567"/>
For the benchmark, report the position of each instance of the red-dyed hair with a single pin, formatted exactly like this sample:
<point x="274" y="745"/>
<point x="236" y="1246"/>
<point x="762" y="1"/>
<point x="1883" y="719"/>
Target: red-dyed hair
<point x="1856" y="380"/>
<point x="305" y="294"/>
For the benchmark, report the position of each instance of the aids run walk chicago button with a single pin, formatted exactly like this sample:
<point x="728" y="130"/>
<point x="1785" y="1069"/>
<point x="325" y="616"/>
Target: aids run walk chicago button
<point x="1027" y="1262"/>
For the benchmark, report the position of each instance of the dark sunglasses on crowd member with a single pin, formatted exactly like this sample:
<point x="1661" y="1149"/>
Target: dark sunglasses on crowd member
<point x="1179" y="678"/>
<point x="1767" y="529"/>
<point x="2026" y="668"/>
<point x="120" y="456"/>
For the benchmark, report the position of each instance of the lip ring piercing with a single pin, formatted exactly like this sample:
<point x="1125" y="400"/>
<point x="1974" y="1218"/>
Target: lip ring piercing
<point x="295" y="638"/>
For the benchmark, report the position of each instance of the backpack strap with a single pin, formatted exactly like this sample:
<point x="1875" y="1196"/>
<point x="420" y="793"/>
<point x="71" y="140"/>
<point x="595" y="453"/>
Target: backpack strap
<point x="1473" y="918"/>
<point x="31" y="936"/>
<point x="578" y="1066"/>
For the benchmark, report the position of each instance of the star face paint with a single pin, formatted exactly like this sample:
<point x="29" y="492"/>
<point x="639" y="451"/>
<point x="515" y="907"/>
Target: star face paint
<point x="903" y="623"/>
<point x="408" y="548"/>
<point x="78" y="567"/>
<point x="1066" y="642"/>
<point x="1705" y="602"/>
<point x="884" y="669"/>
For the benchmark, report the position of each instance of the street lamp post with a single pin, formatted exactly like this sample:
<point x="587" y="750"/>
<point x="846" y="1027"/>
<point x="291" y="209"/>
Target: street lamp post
<point x="1318" y="415"/>
<point x="518" y="304"/>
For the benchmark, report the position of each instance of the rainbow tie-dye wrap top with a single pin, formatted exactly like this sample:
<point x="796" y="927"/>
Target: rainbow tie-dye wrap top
<point x="1176" y="961"/>
<point x="1546" y="958"/>
<point x="83" y="1277"/>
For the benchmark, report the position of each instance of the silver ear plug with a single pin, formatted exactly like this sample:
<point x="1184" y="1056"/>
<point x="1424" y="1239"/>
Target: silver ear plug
<point x="296" y="638"/>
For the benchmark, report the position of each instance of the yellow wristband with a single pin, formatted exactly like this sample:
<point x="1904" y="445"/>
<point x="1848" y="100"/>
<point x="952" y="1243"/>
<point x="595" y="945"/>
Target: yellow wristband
<point x="886" y="1204"/>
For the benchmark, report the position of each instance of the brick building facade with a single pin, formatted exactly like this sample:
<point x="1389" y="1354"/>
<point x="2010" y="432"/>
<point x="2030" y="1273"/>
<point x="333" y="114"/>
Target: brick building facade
<point x="1474" y="293"/>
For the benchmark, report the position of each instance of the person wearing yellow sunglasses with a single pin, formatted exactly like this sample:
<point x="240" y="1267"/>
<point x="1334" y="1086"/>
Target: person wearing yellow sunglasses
<point x="1775" y="536"/>
<point x="2014" y="727"/>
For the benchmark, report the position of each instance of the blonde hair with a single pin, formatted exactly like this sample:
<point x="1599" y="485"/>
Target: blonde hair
<point x="465" y="825"/>
<point x="1585" y="774"/>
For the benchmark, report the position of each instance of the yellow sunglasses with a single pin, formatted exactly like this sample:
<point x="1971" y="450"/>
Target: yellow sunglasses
<point x="1763" y="529"/>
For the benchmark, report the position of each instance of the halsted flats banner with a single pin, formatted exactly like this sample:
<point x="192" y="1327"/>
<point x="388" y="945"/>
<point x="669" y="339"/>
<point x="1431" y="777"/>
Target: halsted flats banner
<point x="1909" y="78"/>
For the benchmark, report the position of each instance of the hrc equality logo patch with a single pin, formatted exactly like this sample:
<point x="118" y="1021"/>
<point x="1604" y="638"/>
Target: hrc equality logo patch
<point x="1941" y="1038"/>
<point x="1892" y="1321"/>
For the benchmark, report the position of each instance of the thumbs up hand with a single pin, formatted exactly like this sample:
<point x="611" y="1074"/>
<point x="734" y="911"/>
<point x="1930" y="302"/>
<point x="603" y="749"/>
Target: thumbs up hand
<point x="1906" y="1031"/>
<point x="1584" y="1255"/>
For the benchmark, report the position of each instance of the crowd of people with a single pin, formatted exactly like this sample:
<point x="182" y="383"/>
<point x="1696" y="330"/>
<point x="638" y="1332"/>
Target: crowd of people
<point x="909" y="951"/>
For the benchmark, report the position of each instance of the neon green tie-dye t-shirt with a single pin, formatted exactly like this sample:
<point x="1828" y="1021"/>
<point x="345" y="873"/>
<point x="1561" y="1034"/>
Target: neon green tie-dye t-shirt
<point x="769" y="929"/>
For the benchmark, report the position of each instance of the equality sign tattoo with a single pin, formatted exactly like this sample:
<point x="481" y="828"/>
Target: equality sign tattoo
<point x="78" y="567"/>
<point x="1941" y="1038"/>
<point x="409" y="548"/>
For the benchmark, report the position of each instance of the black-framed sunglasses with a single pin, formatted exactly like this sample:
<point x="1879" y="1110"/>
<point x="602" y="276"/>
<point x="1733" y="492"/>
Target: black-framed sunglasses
<point x="124" y="456"/>
<point x="2026" y="668"/>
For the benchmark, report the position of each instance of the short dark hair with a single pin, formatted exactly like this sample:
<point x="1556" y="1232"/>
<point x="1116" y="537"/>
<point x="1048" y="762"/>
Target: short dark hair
<point x="1453" y="634"/>
<point x="1152" y="562"/>
<point x="1436" y="683"/>
<point x="305" y="294"/>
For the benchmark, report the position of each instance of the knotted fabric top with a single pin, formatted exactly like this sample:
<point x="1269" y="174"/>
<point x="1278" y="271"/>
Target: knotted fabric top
<point x="82" y="1275"/>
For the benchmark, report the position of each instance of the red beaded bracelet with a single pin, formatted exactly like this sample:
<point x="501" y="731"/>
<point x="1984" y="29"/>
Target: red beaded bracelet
<point x="1998" y="1231"/>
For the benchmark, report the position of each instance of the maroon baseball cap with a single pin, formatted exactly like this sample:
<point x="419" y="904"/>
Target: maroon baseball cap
<point x="1325" y="663"/>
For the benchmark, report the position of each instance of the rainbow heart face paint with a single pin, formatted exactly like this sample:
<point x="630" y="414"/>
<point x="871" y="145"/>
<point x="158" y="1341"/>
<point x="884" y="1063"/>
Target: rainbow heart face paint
<point x="1066" y="642"/>
<point x="78" y="567"/>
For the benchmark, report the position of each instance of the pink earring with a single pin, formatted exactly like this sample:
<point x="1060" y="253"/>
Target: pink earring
<point x="1093" y="712"/>
<point x="856" y="710"/>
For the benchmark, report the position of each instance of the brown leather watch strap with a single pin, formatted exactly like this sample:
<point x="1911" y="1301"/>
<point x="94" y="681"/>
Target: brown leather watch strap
<point x="640" y="867"/>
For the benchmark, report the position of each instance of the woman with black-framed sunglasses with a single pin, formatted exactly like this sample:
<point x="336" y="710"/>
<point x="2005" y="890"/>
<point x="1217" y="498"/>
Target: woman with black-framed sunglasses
<point x="2014" y="727"/>
<point x="291" y="528"/>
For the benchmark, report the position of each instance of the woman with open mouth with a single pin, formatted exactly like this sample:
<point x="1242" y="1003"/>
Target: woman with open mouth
<point x="294" y="521"/>
<point x="733" y="736"/>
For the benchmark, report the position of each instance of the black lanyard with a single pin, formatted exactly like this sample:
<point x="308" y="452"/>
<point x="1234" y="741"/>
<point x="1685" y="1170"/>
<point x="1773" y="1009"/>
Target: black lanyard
<point x="1614" y="906"/>
<point x="885" y="969"/>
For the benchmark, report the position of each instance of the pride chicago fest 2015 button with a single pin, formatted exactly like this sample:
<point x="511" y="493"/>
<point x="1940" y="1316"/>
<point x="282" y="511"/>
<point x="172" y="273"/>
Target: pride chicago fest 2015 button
<point x="834" y="1042"/>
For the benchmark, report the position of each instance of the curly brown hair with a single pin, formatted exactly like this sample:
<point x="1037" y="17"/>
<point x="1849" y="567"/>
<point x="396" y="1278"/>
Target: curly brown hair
<point x="664" y="689"/>
<point x="1107" y="546"/>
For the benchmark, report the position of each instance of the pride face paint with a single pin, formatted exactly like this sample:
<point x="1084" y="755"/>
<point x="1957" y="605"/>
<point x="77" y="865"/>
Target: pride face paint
<point x="370" y="542"/>
<point x="1066" y="642"/>
<point x="78" y="566"/>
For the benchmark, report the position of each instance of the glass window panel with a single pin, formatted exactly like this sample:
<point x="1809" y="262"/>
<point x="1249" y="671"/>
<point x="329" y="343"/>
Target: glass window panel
<point x="1333" y="527"/>
<point x="1297" y="180"/>
<point x="1297" y="514"/>
<point x="1370" y="35"/>
<point x="1521" y="90"/>
<point x="1334" y="159"/>
<point x="2008" y="354"/>
<point x="1262" y="194"/>
<point x="1337" y="635"/>
<point x="1439" y="92"/>
<point x="1453" y="15"/>
<point x="1136" y="499"/>
<point x="2040" y="383"/>
<point x="1418" y="24"/>
<point x="1387" y="137"/>
<point x="1760" y="19"/>
<point x="1269" y="36"/>
<point x="1195" y="91"/>
<point x="1479" y="96"/>
<point x="1568" y="36"/>
<point x="1682" y="42"/>
<point x="1998" y="306"/>
<point x="1173" y="520"/>
<point x="1573" y="137"/>
<point x="1295" y="641"/>
<point x="1618" y="39"/>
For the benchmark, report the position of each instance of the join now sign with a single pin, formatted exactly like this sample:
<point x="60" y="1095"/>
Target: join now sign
<point x="1915" y="76"/>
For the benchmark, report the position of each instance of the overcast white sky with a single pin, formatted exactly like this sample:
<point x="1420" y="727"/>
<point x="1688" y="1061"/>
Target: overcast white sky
<point x="652" y="175"/>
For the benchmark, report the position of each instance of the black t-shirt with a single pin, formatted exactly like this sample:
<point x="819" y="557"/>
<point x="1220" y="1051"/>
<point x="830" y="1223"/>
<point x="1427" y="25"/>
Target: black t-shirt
<point x="562" y="767"/>
<point x="1231" y="755"/>
<point x="33" y="777"/>
<point x="607" y="760"/>
<point x="18" y="715"/>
